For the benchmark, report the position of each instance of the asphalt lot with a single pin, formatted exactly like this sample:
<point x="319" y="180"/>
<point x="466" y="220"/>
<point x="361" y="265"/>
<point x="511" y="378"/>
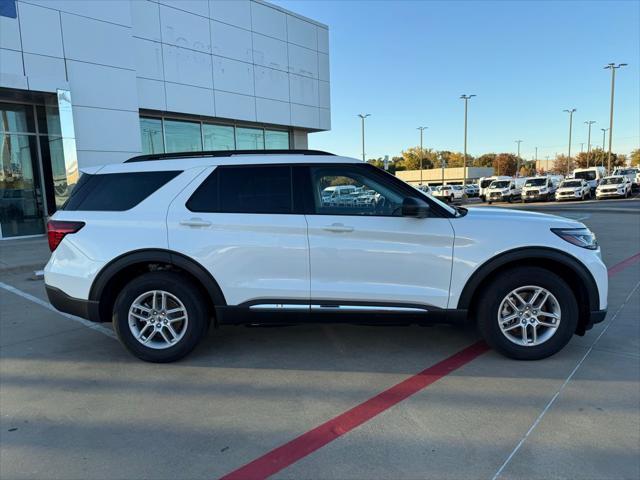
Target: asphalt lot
<point x="74" y="404"/>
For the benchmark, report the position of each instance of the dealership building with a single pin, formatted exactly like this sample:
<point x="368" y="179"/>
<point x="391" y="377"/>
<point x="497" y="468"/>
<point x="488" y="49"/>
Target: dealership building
<point x="85" y="83"/>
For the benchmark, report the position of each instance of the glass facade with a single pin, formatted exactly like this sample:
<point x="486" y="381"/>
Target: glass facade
<point x="182" y="136"/>
<point x="160" y="135"/>
<point x="151" y="135"/>
<point x="21" y="196"/>
<point x="218" y="137"/>
<point x="38" y="162"/>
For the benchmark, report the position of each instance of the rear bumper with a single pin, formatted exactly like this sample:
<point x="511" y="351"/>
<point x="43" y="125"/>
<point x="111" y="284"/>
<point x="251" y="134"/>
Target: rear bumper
<point x="74" y="306"/>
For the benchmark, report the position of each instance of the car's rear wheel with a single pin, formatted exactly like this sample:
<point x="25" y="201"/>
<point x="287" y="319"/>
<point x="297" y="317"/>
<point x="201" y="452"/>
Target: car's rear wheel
<point x="160" y="316"/>
<point x="529" y="313"/>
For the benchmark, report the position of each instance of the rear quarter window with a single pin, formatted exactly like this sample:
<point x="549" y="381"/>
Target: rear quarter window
<point x="115" y="192"/>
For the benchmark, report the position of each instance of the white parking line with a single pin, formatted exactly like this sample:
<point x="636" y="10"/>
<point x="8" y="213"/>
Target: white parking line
<point x="98" y="327"/>
<point x="562" y="387"/>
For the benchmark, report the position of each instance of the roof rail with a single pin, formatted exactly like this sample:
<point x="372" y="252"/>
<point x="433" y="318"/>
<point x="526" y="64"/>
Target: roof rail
<point x="221" y="153"/>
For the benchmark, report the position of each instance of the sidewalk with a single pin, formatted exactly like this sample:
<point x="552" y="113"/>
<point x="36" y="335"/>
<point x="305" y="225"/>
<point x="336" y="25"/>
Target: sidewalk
<point x="26" y="254"/>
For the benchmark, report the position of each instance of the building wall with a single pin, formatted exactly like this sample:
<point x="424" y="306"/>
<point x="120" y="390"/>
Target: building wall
<point x="242" y="60"/>
<point x="451" y="175"/>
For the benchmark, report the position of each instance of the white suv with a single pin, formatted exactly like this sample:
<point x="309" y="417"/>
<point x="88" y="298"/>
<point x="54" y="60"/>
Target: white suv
<point x="165" y="245"/>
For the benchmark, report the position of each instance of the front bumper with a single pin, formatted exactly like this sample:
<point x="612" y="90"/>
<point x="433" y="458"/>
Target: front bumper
<point x="62" y="302"/>
<point x="602" y="194"/>
<point x="568" y="196"/>
<point x="533" y="196"/>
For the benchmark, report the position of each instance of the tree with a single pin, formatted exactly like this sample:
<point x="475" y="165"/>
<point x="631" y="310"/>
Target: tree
<point x="411" y="158"/>
<point x="505" y="164"/>
<point x="485" y="160"/>
<point x="599" y="157"/>
<point x="635" y="158"/>
<point x="563" y="164"/>
<point x="379" y="162"/>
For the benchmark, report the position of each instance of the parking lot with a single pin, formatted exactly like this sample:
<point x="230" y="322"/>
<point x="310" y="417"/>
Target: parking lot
<point x="325" y="401"/>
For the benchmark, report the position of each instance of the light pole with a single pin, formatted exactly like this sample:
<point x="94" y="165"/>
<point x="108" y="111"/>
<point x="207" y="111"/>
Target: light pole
<point x="422" y="129"/>
<point x="466" y="102"/>
<point x="589" y="123"/>
<point x="518" y="160"/>
<point x="613" y="67"/>
<point x="570" y="112"/>
<point x="536" y="159"/>
<point x="362" y="117"/>
<point x="604" y="131"/>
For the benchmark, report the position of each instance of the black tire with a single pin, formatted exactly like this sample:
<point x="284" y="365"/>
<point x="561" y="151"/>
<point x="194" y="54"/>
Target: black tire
<point x="500" y="287"/>
<point x="183" y="289"/>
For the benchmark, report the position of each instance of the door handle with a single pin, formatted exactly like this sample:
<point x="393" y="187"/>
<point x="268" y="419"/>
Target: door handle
<point x="195" y="222"/>
<point x="338" y="228"/>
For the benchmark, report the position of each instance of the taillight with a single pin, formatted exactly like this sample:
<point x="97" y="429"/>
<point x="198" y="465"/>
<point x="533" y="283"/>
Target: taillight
<point x="57" y="229"/>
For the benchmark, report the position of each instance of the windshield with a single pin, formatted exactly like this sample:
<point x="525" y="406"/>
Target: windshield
<point x="612" y="180"/>
<point x="500" y="184"/>
<point x="536" y="182"/>
<point x="628" y="171"/>
<point x="571" y="184"/>
<point x="588" y="175"/>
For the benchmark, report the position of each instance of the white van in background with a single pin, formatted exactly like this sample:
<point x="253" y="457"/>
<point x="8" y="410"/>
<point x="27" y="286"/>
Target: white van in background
<point x="539" y="188"/>
<point x="591" y="175"/>
<point x="507" y="190"/>
<point x="484" y="183"/>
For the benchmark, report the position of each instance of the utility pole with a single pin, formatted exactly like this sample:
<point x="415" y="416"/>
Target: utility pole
<point x="518" y="160"/>
<point x="362" y="117"/>
<point x="570" y="112"/>
<point x="589" y="123"/>
<point x="581" y="147"/>
<point x="536" y="160"/>
<point x="613" y="67"/>
<point x="466" y="101"/>
<point x="422" y="129"/>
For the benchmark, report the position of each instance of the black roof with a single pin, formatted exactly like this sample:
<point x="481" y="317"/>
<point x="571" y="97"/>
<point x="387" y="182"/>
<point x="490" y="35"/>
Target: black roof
<point x="222" y="153"/>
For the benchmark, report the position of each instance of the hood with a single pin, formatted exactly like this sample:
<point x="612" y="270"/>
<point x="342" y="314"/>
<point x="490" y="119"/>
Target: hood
<point x="509" y="216"/>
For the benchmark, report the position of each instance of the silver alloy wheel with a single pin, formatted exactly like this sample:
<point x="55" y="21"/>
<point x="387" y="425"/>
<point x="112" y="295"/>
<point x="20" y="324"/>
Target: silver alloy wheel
<point x="529" y="316"/>
<point x="158" y="319"/>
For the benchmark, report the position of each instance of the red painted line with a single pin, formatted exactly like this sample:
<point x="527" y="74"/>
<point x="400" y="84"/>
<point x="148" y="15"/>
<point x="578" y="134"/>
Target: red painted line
<point x="618" y="267"/>
<point x="309" y="442"/>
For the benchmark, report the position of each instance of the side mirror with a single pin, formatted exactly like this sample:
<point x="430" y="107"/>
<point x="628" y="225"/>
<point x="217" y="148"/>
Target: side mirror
<point x="415" y="207"/>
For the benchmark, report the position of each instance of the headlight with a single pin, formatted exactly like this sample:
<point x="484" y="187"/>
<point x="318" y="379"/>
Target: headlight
<point x="543" y="189"/>
<point x="580" y="237"/>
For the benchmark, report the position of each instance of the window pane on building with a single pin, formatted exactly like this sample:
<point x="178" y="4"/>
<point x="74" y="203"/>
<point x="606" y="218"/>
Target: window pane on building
<point x="182" y="136"/>
<point x="276" y="140"/>
<point x="16" y="118"/>
<point x="151" y="135"/>
<point x="218" y="137"/>
<point x="249" y="139"/>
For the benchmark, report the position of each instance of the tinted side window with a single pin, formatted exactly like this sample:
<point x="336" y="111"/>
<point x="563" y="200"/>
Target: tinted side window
<point x="115" y="191"/>
<point x="255" y="189"/>
<point x="205" y="198"/>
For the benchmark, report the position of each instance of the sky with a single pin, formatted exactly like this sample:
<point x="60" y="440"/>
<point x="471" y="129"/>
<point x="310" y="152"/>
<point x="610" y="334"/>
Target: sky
<point x="407" y="63"/>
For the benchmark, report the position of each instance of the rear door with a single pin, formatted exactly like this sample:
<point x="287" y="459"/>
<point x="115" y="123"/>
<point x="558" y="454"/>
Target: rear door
<point x="364" y="254"/>
<point x="239" y="222"/>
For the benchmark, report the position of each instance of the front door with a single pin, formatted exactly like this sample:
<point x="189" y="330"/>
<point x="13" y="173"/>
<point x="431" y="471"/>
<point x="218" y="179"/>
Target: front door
<point x="363" y="251"/>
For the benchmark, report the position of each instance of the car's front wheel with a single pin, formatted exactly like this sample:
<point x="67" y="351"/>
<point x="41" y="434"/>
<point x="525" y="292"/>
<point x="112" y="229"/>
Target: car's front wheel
<point x="160" y="316"/>
<point x="528" y="313"/>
